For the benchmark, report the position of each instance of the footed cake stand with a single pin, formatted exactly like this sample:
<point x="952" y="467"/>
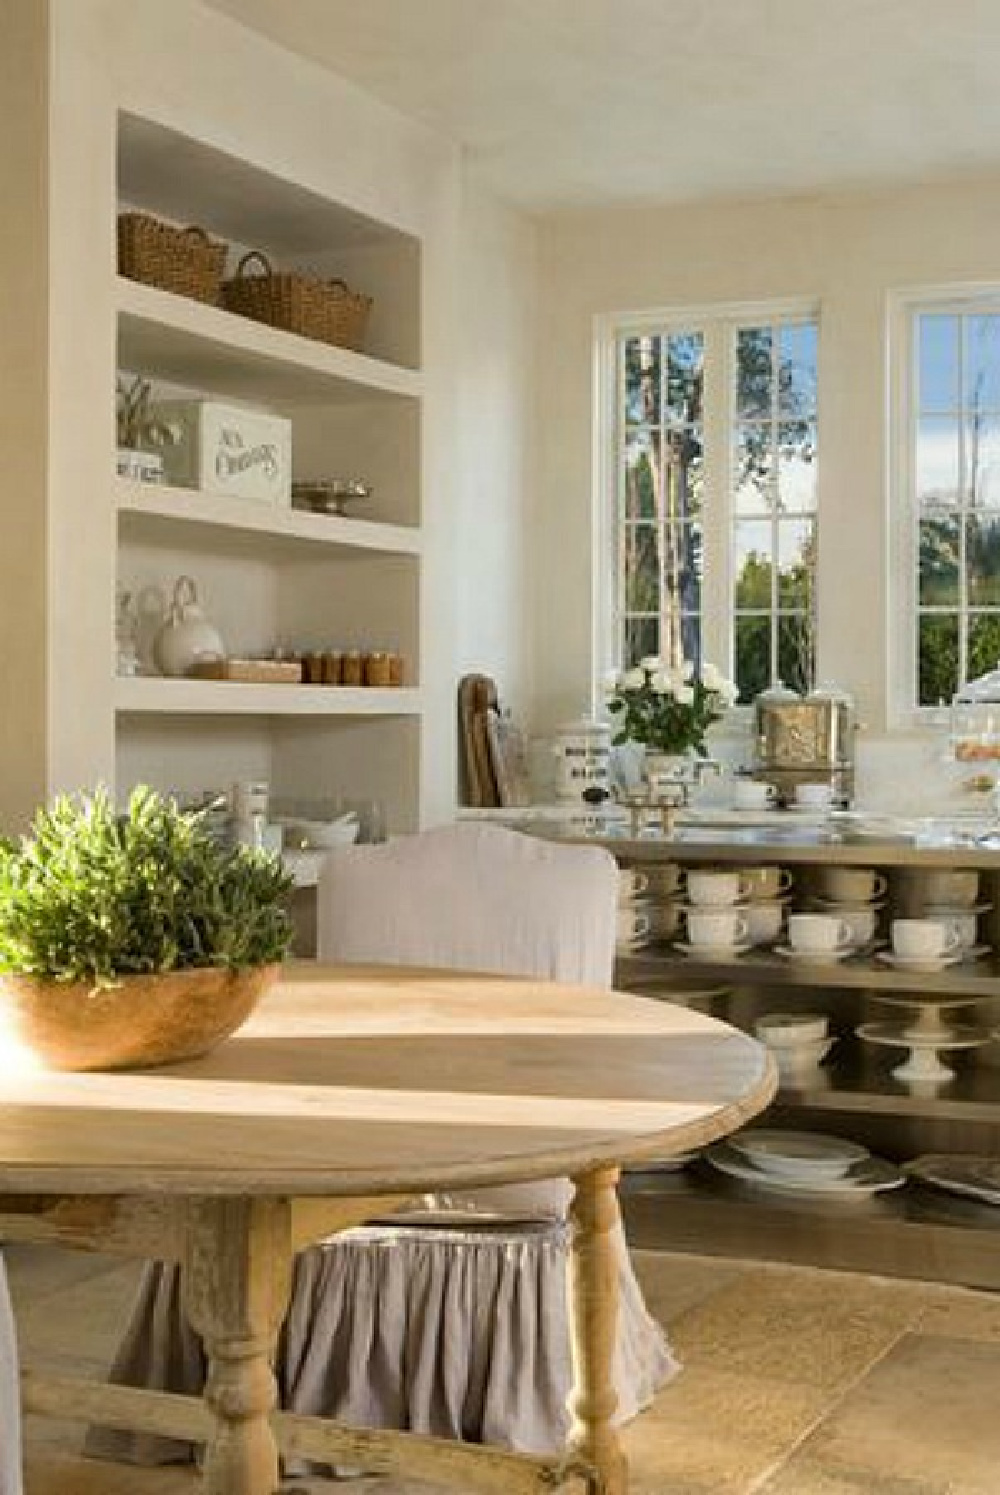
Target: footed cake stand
<point x="925" y="1038"/>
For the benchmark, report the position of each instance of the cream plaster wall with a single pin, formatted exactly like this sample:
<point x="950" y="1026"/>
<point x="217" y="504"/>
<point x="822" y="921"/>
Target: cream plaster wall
<point x="193" y="70"/>
<point x="848" y="252"/>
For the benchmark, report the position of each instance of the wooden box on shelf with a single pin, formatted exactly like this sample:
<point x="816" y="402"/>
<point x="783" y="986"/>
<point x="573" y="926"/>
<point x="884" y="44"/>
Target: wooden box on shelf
<point x="249" y="671"/>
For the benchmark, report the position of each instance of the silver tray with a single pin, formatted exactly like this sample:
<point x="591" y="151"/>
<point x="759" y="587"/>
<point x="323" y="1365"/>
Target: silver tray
<point x="974" y="1177"/>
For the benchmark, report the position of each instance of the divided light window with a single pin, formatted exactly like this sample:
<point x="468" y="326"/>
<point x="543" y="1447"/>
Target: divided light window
<point x="716" y="497"/>
<point x="955" y="477"/>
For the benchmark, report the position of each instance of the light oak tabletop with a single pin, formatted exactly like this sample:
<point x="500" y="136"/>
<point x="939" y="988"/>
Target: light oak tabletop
<point x="351" y="1081"/>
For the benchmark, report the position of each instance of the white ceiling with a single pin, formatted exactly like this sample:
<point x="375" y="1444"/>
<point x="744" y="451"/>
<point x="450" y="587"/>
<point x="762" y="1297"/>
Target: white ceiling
<point x="572" y="103"/>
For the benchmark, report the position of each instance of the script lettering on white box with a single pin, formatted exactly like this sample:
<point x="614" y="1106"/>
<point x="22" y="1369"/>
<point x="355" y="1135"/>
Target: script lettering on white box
<point x="229" y="449"/>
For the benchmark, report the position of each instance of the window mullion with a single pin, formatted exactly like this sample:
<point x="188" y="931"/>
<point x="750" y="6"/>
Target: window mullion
<point x="718" y="404"/>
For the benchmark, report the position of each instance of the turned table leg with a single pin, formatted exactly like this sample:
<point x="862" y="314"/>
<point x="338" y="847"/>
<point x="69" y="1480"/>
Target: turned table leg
<point x="237" y="1267"/>
<point x="593" y="1305"/>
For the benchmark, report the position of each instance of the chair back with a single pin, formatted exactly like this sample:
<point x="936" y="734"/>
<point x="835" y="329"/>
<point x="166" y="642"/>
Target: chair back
<point x="474" y="897"/>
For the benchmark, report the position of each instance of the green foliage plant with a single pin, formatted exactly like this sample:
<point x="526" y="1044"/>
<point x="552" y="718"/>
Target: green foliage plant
<point x="668" y="709"/>
<point x="91" y="896"/>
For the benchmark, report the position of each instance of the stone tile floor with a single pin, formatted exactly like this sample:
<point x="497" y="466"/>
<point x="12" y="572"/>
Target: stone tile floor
<point x="796" y="1382"/>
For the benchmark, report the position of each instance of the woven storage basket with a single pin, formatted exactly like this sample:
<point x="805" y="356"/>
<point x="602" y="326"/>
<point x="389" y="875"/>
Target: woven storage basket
<point x="321" y="309"/>
<point x="183" y="260"/>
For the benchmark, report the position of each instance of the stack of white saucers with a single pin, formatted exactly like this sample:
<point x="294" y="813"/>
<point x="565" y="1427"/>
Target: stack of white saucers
<point x="799" y="1041"/>
<point x="792" y="1162"/>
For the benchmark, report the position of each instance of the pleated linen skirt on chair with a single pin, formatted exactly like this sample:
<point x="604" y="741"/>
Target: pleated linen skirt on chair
<point x="356" y="1346"/>
<point x="10" y="1416"/>
<point x="452" y="1324"/>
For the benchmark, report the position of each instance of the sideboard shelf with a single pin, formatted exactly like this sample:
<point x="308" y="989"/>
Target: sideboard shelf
<point x="905" y="1233"/>
<point x="973" y="978"/>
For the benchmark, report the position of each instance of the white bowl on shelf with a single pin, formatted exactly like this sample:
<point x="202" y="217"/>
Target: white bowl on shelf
<point x="318" y="835"/>
<point x="791" y="1029"/>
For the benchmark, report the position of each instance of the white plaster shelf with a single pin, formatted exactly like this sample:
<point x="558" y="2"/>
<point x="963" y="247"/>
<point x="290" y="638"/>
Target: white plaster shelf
<point x="150" y="695"/>
<point x="151" y="510"/>
<point x="188" y="342"/>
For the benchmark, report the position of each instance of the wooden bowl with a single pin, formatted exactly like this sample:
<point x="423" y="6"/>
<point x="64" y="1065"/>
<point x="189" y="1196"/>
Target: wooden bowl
<point x="141" y="1021"/>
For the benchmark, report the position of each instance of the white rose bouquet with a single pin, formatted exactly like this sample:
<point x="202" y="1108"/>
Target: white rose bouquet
<point x="668" y="708"/>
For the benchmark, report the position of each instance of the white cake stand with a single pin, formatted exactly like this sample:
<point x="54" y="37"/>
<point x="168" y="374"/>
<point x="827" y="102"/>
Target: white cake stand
<point x="925" y="1038"/>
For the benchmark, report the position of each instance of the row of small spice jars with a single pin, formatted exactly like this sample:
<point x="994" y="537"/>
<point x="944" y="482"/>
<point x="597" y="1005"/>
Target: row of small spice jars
<point x="352" y="667"/>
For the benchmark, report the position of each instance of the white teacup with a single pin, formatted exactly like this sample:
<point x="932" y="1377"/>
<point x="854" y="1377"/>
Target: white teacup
<point x="767" y="882"/>
<point x="664" y="880"/>
<point x="967" y="925"/>
<point x="631" y="882"/>
<point x="817" y="934"/>
<point x="952" y="887"/>
<point x="716" y="926"/>
<point x="854" y="885"/>
<point x="924" y="939"/>
<point x="763" y="920"/>
<point x="631" y="924"/>
<point x="814" y="796"/>
<point x="715" y="889"/>
<point x="862" y="922"/>
<point x="752" y="794"/>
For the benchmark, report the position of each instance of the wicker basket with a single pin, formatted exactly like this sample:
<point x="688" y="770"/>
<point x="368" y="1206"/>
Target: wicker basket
<point x="321" y="309"/>
<point x="183" y="260"/>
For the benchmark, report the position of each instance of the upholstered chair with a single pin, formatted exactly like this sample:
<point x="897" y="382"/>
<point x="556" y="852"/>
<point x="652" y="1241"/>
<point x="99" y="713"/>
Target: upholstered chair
<point x="10" y="1418"/>
<point x="448" y="1319"/>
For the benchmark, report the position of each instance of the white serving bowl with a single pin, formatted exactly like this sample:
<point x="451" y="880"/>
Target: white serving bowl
<point x="791" y="1029"/>
<point x="306" y="835"/>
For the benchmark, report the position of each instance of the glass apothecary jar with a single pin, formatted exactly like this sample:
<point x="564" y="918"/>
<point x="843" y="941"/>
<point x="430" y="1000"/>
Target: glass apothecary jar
<point x="975" y="721"/>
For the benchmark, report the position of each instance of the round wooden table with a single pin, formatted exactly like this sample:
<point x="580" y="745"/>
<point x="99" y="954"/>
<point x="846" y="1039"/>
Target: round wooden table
<point x="348" y="1090"/>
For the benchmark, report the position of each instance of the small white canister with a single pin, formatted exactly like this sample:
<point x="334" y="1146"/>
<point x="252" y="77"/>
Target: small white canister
<point x="582" y="750"/>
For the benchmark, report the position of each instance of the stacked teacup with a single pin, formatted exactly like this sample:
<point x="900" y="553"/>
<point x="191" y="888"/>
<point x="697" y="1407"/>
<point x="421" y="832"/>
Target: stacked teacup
<point x="924" y="944"/>
<point x="766" y="899"/>
<point x="951" y="894"/>
<point x="853" y="895"/>
<point x="647" y="905"/>
<point x="717" y="925"/>
<point x="633" y="923"/>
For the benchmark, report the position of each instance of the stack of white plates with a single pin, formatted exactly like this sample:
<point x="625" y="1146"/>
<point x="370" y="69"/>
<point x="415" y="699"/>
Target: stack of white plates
<point x="793" y="1162"/>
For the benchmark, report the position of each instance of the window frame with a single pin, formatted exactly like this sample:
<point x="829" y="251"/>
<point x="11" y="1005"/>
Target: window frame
<point x="718" y="323"/>
<point x="902" y="510"/>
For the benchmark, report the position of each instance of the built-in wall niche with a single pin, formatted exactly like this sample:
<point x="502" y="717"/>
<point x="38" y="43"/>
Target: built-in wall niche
<point x="351" y="599"/>
<point x="190" y="757"/>
<point x="174" y="176"/>
<point x="351" y="759"/>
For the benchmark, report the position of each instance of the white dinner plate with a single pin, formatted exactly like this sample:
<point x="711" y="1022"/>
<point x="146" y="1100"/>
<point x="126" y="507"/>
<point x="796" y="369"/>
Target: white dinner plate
<point x="798" y="1155"/>
<point x="865" y="1178"/>
<point x="713" y="952"/>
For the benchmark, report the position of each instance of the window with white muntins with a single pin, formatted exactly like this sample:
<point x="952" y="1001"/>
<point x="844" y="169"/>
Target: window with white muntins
<point x="950" y="485"/>
<point x="709" y="493"/>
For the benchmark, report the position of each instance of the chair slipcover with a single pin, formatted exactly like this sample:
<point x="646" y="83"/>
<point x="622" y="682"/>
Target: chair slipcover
<point x="451" y="1319"/>
<point x="10" y="1417"/>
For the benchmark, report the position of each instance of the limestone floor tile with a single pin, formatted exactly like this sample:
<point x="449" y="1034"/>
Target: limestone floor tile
<point x="672" y="1283"/>
<point x="77" y="1326"/>
<point x="961" y="1313"/>
<point x="927" y="1412"/>
<point x="40" y="1270"/>
<point x="807" y="1328"/>
<point x="802" y="1476"/>
<point x="716" y="1432"/>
